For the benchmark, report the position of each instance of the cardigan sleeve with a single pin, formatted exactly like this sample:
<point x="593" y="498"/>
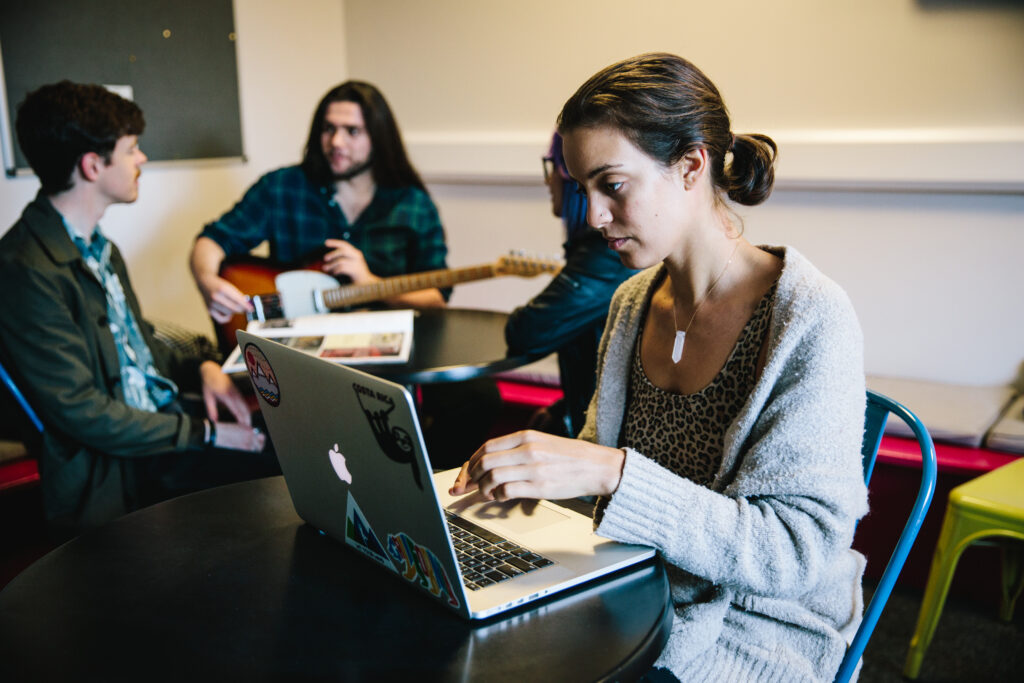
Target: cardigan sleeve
<point x="771" y="525"/>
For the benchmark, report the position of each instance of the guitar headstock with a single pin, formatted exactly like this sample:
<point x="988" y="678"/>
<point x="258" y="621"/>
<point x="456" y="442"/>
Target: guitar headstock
<point x="523" y="265"/>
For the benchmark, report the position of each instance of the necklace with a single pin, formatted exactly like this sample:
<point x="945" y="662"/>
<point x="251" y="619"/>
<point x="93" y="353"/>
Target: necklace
<point x="677" y="345"/>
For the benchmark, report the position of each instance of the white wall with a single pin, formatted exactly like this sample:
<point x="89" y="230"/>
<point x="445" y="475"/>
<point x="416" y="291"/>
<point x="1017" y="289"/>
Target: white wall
<point x="933" y="84"/>
<point x="901" y="126"/>
<point x="289" y="55"/>
<point x="450" y="65"/>
<point x="935" y="279"/>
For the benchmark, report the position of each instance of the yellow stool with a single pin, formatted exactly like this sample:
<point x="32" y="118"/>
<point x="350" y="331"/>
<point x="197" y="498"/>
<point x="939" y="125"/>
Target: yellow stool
<point x="990" y="506"/>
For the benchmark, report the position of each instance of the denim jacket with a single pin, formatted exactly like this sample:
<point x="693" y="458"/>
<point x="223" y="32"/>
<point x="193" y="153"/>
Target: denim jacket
<point x="568" y="316"/>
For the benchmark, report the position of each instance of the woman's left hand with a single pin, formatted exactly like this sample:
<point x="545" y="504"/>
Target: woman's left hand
<point x="529" y="464"/>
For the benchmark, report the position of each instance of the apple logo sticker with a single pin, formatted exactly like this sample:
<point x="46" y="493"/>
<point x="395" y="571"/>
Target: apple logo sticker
<point x="338" y="462"/>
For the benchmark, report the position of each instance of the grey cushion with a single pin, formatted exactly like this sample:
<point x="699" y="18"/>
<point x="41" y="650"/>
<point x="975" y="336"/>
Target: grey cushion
<point x="952" y="413"/>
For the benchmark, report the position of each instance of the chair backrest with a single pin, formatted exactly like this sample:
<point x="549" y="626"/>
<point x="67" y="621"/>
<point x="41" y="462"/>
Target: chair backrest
<point x="19" y="398"/>
<point x="878" y="409"/>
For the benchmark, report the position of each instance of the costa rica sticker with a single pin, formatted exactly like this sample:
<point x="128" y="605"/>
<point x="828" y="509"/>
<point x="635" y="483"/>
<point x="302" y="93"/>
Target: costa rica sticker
<point x="263" y="377"/>
<point x="394" y="442"/>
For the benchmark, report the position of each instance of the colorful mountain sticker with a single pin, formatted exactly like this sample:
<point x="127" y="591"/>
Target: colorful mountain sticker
<point x="417" y="563"/>
<point x="359" y="534"/>
<point x="263" y="377"/>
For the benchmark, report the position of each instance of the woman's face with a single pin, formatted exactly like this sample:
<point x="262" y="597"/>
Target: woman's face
<point x="640" y="207"/>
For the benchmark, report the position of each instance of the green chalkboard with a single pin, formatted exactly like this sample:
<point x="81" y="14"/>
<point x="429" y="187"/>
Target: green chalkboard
<point x="176" y="56"/>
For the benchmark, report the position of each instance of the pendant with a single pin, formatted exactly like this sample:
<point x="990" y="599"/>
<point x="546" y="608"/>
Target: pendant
<point x="677" y="346"/>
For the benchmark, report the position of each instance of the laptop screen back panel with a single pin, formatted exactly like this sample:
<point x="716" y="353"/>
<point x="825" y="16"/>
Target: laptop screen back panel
<point x="354" y="463"/>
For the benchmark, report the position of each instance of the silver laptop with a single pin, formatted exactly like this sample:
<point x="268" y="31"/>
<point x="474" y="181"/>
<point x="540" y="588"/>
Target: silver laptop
<point x="353" y="458"/>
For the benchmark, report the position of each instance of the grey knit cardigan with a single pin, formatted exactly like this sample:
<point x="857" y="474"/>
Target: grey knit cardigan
<point x="763" y="580"/>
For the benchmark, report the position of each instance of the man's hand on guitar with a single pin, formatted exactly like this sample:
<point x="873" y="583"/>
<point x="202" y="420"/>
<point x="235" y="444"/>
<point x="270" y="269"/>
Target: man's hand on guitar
<point x="344" y="259"/>
<point x="223" y="299"/>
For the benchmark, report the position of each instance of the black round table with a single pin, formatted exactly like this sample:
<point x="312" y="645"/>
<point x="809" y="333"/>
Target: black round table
<point x="451" y="345"/>
<point x="229" y="584"/>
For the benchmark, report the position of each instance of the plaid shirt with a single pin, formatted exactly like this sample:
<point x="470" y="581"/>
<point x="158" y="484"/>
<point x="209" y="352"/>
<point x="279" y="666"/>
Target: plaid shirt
<point x="399" y="232"/>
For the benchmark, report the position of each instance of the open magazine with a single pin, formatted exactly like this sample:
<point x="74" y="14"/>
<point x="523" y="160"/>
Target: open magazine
<point x="350" y="338"/>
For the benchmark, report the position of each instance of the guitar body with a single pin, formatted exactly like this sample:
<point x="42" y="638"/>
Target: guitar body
<point x="253" y="277"/>
<point x="300" y="293"/>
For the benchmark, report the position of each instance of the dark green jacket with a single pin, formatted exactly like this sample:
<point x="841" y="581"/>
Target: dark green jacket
<point x="55" y="341"/>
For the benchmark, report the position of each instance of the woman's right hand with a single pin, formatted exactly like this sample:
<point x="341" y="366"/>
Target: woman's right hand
<point x="530" y="464"/>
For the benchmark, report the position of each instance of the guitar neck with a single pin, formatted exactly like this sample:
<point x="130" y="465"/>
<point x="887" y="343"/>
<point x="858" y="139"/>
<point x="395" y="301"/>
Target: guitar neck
<point x="349" y="295"/>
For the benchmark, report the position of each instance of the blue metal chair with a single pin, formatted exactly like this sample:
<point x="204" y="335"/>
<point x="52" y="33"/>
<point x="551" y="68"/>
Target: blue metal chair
<point x="878" y="410"/>
<point x="19" y="398"/>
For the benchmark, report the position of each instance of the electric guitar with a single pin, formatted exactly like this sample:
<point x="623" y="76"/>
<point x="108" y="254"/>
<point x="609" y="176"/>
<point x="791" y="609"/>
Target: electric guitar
<point x="293" y="293"/>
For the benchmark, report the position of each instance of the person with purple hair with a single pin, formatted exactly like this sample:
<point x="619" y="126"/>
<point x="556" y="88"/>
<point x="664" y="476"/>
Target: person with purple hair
<point x="568" y="316"/>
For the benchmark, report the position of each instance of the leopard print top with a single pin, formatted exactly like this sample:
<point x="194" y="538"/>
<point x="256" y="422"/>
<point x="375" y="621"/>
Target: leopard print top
<point x="685" y="432"/>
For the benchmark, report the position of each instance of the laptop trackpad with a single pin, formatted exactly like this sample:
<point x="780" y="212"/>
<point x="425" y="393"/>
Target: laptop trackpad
<point x="518" y="516"/>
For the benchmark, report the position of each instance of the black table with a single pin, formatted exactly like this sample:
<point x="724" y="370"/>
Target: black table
<point x="229" y="584"/>
<point x="451" y="345"/>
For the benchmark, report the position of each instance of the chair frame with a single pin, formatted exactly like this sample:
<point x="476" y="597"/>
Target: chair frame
<point x="21" y="471"/>
<point x="19" y="398"/>
<point x="878" y="409"/>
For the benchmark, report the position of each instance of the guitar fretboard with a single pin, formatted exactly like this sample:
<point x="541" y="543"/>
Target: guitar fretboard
<point x="349" y="295"/>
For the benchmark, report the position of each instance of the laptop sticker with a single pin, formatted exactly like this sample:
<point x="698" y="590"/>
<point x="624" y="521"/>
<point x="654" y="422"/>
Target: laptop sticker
<point x="359" y="534"/>
<point x="394" y="441"/>
<point x="417" y="563"/>
<point x="263" y="377"/>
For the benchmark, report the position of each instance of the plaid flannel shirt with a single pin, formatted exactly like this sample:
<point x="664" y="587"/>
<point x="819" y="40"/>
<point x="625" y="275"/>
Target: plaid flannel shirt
<point x="400" y="231"/>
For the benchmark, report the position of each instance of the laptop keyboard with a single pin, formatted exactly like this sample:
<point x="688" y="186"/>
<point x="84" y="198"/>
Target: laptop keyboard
<point x="486" y="558"/>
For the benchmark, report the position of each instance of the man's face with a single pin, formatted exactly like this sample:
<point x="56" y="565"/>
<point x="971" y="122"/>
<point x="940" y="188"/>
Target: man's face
<point x="119" y="179"/>
<point x="344" y="140"/>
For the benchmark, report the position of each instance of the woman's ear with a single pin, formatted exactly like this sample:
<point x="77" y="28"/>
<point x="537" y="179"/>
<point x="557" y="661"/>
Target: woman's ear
<point x="692" y="167"/>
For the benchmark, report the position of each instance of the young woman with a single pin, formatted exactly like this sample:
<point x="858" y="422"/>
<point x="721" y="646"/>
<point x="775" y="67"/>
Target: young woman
<point x="726" y="425"/>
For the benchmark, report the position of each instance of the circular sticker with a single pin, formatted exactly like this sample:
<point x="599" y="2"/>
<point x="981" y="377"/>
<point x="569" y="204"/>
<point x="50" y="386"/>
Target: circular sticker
<point x="263" y="377"/>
